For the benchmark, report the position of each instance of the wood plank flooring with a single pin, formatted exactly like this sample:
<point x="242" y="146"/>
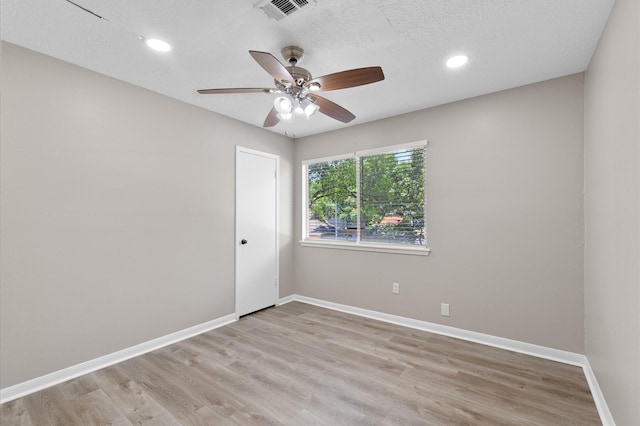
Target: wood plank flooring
<point x="299" y="364"/>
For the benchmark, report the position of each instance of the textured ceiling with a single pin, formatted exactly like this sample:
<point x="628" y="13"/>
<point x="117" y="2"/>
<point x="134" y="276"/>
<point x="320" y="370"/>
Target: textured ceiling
<point x="509" y="42"/>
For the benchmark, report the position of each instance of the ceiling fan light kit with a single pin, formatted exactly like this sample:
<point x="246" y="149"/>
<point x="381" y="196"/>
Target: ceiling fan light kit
<point x="283" y="104"/>
<point x="310" y="109"/>
<point x="285" y="107"/>
<point x="296" y="88"/>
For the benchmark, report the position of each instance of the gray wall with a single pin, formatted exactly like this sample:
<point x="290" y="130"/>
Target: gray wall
<point x="117" y="214"/>
<point x="612" y="212"/>
<point x="505" y="218"/>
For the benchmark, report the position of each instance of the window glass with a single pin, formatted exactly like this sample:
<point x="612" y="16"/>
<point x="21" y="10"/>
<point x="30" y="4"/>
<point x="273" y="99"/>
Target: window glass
<point x="370" y="197"/>
<point x="332" y="200"/>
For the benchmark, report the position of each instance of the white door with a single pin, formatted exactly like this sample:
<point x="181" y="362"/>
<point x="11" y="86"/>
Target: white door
<point x="256" y="230"/>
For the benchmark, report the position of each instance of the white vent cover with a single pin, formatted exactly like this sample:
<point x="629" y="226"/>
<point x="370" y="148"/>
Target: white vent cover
<point x="280" y="9"/>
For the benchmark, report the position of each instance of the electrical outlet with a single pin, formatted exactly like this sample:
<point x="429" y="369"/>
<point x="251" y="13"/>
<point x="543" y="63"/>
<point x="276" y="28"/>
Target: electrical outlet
<point x="396" y="288"/>
<point x="444" y="310"/>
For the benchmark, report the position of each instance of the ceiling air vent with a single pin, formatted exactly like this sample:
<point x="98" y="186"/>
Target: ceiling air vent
<point x="280" y="9"/>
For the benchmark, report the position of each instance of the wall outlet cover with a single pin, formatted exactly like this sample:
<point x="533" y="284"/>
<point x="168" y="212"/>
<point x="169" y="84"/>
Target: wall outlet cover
<point x="444" y="310"/>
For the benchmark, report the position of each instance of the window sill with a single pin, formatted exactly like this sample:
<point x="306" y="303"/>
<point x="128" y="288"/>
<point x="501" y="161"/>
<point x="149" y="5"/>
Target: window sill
<point x="379" y="248"/>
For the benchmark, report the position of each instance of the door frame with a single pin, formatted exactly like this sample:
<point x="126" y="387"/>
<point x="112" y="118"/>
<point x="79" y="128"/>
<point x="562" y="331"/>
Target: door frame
<point x="239" y="150"/>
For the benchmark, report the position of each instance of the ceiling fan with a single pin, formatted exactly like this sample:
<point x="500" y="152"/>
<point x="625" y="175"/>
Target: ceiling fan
<point x="298" y="89"/>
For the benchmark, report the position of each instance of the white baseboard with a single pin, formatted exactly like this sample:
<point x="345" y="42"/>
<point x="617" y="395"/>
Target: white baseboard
<point x="601" y="404"/>
<point x="287" y="299"/>
<point x="557" y="355"/>
<point x="21" y="389"/>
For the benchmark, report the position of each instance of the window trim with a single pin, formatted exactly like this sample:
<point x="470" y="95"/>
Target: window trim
<point x="360" y="245"/>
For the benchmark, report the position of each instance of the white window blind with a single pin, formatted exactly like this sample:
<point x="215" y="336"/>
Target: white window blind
<point x="392" y="197"/>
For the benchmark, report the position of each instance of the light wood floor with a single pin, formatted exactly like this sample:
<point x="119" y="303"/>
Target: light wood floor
<point x="299" y="364"/>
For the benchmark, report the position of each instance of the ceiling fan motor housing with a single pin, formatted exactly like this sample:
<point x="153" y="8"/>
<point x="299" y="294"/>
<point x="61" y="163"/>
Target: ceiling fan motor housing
<point x="299" y="74"/>
<point x="293" y="55"/>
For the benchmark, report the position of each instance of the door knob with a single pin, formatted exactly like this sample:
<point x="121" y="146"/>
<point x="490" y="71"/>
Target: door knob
<point x="244" y="241"/>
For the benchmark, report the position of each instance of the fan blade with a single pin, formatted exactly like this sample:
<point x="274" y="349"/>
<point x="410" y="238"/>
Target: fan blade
<point x="233" y="90"/>
<point x="272" y="66"/>
<point x="350" y="78"/>
<point x="272" y="118"/>
<point x="331" y="109"/>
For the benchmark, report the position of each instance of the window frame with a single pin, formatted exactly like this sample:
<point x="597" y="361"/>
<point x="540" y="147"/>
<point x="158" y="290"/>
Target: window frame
<point x="422" y="250"/>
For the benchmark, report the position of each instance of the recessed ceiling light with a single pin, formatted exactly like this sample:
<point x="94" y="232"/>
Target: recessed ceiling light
<point x="457" y="61"/>
<point x="159" y="45"/>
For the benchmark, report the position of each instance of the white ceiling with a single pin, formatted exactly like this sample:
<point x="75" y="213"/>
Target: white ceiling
<point x="509" y="42"/>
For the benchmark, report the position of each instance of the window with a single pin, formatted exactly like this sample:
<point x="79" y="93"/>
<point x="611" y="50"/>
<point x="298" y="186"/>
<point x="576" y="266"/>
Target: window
<point x="371" y="200"/>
